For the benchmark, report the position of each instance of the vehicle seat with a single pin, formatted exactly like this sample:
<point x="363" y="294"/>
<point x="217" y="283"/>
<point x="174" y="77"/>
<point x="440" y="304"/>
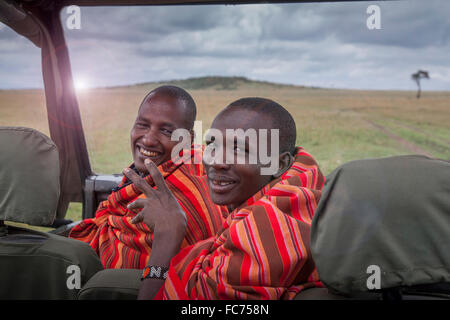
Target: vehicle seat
<point x="34" y="264"/>
<point x="382" y="230"/>
<point x="112" y="284"/>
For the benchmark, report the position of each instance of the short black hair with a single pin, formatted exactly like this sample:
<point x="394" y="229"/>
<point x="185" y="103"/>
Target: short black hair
<point x="179" y="94"/>
<point x="282" y="119"/>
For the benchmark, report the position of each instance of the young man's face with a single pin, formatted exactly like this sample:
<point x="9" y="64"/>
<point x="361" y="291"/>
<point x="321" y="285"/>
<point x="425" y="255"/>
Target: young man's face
<point x="232" y="184"/>
<point x="158" y="116"/>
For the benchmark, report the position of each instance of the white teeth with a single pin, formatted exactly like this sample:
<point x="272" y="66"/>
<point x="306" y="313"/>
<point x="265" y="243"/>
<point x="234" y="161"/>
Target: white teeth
<point x="221" y="183"/>
<point x="148" y="153"/>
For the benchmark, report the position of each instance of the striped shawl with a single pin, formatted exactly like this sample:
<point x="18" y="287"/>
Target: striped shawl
<point x="121" y="244"/>
<point x="263" y="250"/>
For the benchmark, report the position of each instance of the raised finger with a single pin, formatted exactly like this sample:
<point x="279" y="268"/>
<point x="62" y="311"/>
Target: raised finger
<point x="138" y="181"/>
<point x="138" y="218"/>
<point x="156" y="175"/>
<point x="138" y="204"/>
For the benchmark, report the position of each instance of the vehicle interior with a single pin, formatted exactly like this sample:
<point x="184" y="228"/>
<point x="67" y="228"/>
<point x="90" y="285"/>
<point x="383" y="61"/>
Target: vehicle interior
<point x="62" y="164"/>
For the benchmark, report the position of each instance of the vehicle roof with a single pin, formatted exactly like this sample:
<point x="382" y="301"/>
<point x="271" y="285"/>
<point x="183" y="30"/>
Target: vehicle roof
<point x="49" y="3"/>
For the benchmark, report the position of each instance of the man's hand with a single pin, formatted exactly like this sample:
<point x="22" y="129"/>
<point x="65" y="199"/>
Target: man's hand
<point x="161" y="211"/>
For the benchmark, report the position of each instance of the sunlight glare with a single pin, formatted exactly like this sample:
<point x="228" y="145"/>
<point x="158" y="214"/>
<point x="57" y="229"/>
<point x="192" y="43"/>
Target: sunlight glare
<point x="80" y="84"/>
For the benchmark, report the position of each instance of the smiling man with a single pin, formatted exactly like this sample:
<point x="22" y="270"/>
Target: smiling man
<point x="233" y="176"/>
<point x="263" y="249"/>
<point x="163" y="110"/>
<point x="118" y="242"/>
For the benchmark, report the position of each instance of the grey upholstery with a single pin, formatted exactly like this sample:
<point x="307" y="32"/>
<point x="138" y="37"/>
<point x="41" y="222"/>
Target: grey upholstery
<point x="112" y="284"/>
<point x="36" y="265"/>
<point x="29" y="176"/>
<point x="393" y="213"/>
<point x="325" y="294"/>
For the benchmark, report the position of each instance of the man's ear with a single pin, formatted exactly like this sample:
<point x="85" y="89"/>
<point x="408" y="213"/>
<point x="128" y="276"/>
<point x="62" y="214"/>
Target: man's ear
<point x="286" y="161"/>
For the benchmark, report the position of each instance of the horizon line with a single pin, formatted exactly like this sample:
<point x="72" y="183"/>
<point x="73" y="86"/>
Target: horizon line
<point x="300" y="86"/>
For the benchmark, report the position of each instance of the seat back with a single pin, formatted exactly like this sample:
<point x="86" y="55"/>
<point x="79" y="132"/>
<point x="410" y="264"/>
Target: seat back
<point x="29" y="176"/>
<point x="33" y="264"/>
<point x="383" y="225"/>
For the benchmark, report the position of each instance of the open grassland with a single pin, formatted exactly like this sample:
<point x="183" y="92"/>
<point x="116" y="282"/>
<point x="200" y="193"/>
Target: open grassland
<point x="335" y="126"/>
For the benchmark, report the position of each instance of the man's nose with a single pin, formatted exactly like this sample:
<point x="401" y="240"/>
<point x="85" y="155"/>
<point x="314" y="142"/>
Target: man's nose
<point x="215" y="158"/>
<point x="150" y="138"/>
<point x="220" y="162"/>
<point x="220" y="165"/>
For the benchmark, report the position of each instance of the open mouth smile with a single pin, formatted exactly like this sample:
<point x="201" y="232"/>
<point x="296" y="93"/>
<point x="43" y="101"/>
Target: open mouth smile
<point x="148" y="153"/>
<point x="220" y="185"/>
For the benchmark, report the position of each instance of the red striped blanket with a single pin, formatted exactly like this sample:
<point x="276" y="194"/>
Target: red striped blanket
<point x="263" y="250"/>
<point x="121" y="244"/>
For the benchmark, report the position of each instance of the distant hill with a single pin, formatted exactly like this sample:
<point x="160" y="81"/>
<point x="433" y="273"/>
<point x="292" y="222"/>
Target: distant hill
<point x="217" y="83"/>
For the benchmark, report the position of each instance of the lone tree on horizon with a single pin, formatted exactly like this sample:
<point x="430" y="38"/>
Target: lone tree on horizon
<point x="417" y="76"/>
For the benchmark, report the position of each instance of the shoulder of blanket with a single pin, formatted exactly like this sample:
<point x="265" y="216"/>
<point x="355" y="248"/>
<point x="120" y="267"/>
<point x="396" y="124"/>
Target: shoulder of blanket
<point x="306" y="169"/>
<point x="300" y="151"/>
<point x="303" y="161"/>
<point x="286" y="200"/>
<point x="285" y="190"/>
<point x="267" y="220"/>
<point x="192" y="169"/>
<point x="194" y="164"/>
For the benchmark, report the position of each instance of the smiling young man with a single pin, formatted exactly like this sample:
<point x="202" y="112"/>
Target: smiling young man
<point x="263" y="249"/>
<point x="118" y="242"/>
<point x="163" y="110"/>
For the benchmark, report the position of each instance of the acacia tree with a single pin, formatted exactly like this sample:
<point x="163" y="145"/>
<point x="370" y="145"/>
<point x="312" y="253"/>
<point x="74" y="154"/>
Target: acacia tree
<point x="417" y="76"/>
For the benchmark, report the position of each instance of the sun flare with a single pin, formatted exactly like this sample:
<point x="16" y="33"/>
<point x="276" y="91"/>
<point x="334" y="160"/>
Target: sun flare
<point x="81" y="84"/>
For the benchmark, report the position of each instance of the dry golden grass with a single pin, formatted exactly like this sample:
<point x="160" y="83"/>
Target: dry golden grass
<point x="335" y="126"/>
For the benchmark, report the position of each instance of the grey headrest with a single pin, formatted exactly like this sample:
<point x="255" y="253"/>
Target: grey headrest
<point x="29" y="176"/>
<point x="383" y="217"/>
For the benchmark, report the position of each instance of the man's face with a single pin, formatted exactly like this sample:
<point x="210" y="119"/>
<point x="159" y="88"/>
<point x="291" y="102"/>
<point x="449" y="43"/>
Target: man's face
<point x="158" y="116"/>
<point x="232" y="184"/>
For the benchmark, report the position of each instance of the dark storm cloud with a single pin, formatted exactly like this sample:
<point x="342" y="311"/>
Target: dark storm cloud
<point x="407" y="24"/>
<point x="131" y="24"/>
<point x="412" y="24"/>
<point x="312" y="44"/>
<point x="20" y="61"/>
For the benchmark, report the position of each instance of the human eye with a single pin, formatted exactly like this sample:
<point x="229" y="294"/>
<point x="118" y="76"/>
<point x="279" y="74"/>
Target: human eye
<point x="210" y="141"/>
<point x="140" y="124"/>
<point x="166" y="131"/>
<point x="211" y="145"/>
<point x="240" y="148"/>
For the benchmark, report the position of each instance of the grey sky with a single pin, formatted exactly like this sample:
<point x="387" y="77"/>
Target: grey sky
<point x="326" y="44"/>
